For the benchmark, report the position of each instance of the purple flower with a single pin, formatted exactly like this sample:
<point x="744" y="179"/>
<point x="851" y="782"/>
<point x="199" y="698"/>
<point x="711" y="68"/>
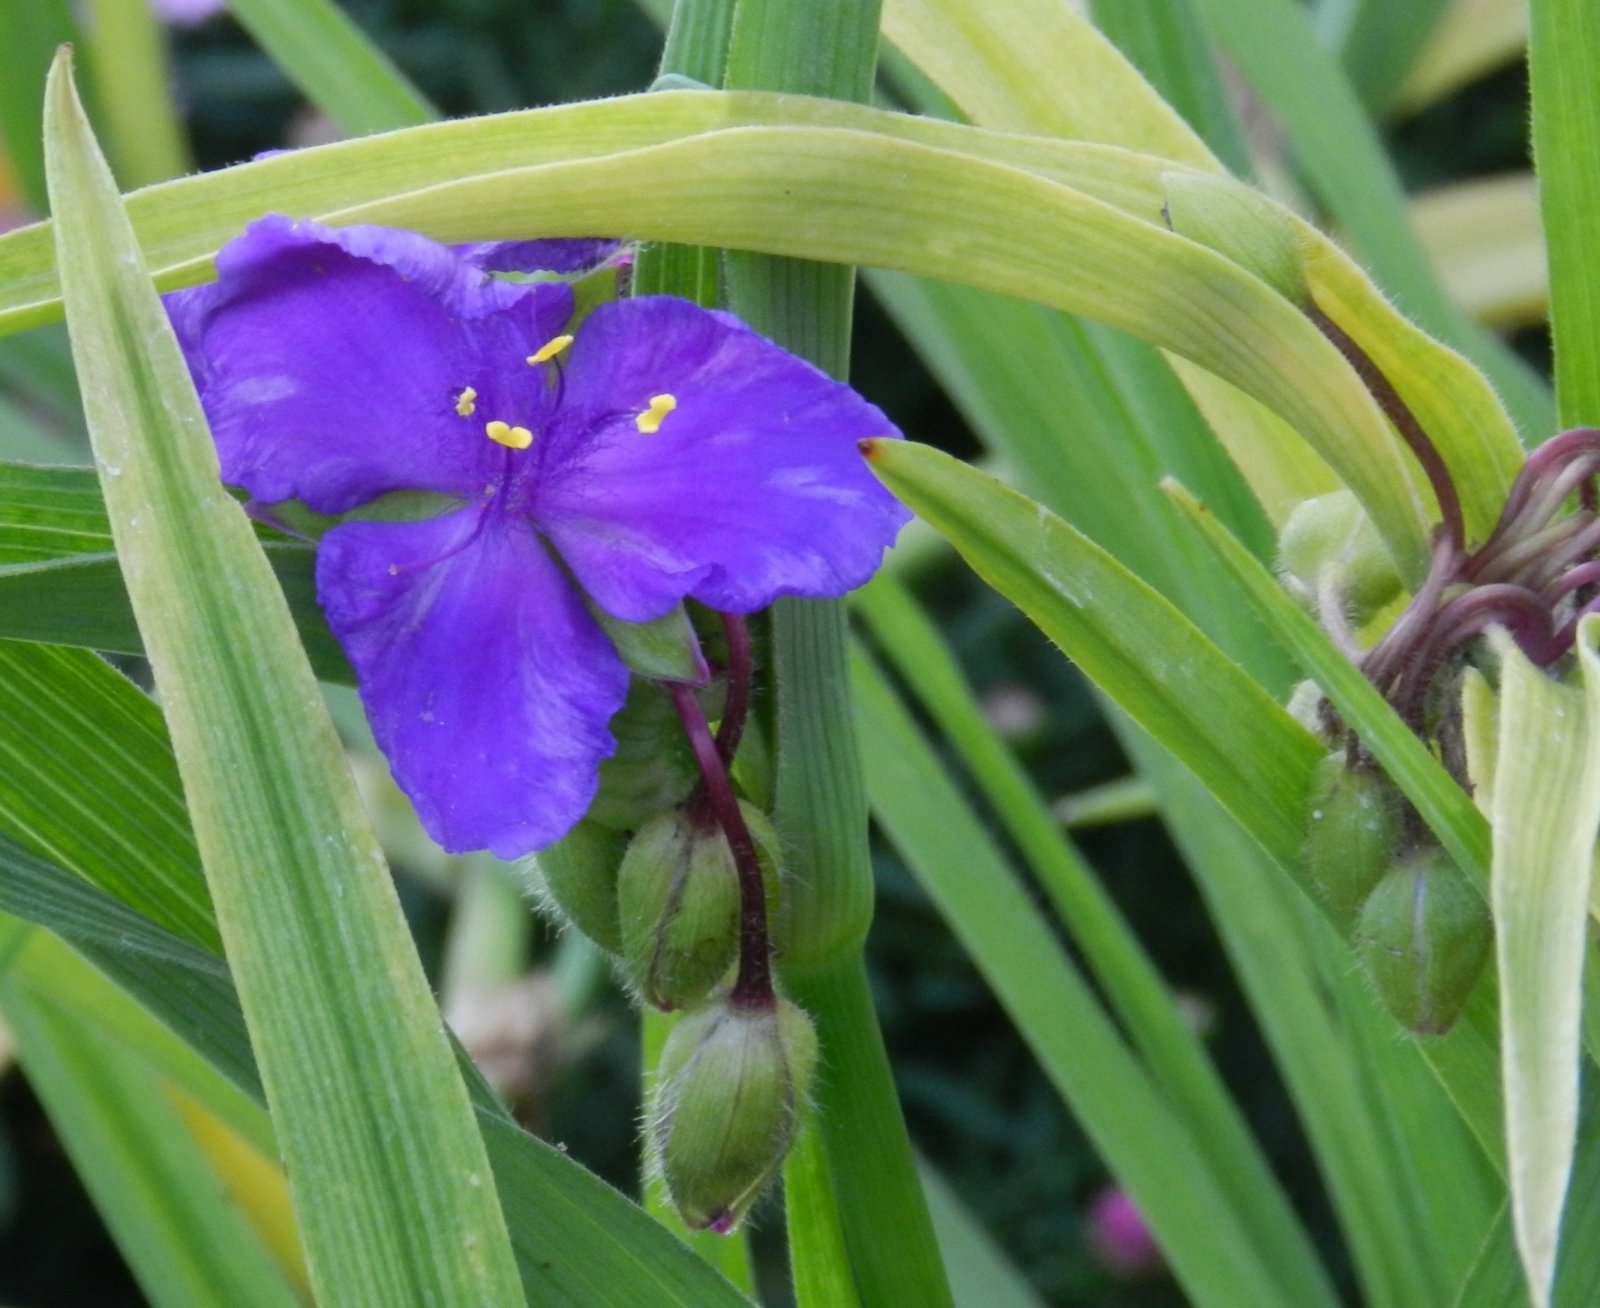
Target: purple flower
<point x="661" y="451"/>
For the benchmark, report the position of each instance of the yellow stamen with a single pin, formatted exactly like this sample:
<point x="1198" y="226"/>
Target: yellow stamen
<point x="513" y="438"/>
<point x="549" y="349"/>
<point x="650" y="420"/>
<point x="465" y="405"/>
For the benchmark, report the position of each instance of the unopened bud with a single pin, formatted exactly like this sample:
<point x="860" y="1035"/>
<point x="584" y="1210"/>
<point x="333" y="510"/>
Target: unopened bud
<point x="1352" y="833"/>
<point x="1234" y="220"/>
<point x="679" y="900"/>
<point x="1330" y="542"/>
<point x="731" y="1088"/>
<point x="1424" y="938"/>
<point x="578" y="881"/>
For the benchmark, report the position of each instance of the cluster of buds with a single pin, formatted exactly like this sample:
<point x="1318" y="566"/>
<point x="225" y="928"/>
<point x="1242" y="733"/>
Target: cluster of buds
<point x="1422" y="930"/>
<point x="1423" y="933"/>
<point x="678" y="878"/>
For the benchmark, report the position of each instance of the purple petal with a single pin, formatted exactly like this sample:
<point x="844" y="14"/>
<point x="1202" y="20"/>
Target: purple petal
<point x="487" y="683"/>
<point x="330" y="362"/>
<point x="752" y="488"/>
<point x="577" y="254"/>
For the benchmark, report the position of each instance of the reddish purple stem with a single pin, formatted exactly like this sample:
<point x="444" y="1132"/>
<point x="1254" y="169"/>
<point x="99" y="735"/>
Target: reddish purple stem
<point x="1405" y="422"/>
<point x="752" y="988"/>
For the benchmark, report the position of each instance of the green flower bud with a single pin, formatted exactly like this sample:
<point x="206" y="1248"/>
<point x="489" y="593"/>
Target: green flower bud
<point x="1234" y="220"/>
<point x="730" y="1090"/>
<point x="1424" y="938"/>
<point x="1353" y="832"/>
<point x="577" y="879"/>
<point x="679" y="904"/>
<point x="1330" y="541"/>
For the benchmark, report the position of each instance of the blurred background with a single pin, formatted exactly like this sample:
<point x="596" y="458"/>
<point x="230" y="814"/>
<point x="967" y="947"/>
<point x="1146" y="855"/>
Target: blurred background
<point x="540" y="1010"/>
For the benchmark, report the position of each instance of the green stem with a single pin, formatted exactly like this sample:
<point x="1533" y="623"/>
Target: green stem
<point x="829" y="47"/>
<point x="894" y="1257"/>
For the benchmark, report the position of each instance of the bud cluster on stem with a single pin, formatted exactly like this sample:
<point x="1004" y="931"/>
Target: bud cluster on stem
<point x="1423" y="932"/>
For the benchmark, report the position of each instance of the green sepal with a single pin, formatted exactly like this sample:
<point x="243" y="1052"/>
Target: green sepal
<point x="679" y="903"/>
<point x="665" y="649"/>
<point x="397" y="506"/>
<point x="678" y="900"/>
<point x="577" y="879"/>
<point x="654" y="767"/>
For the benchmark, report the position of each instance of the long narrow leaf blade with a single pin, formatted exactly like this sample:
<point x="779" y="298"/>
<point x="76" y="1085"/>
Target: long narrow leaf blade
<point x="390" y="1180"/>
<point x="327" y="56"/>
<point x="189" y="1246"/>
<point x="1129" y="640"/>
<point x="1546" y="811"/>
<point x="1564" y="60"/>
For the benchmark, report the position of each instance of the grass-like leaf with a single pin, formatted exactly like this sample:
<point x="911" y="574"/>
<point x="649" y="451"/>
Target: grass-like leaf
<point x="1275" y="48"/>
<point x="391" y="1185"/>
<point x="1180" y="688"/>
<point x="1134" y="988"/>
<point x="1129" y="640"/>
<point x="150" y="1176"/>
<point x="326" y="55"/>
<point x="1546" y="813"/>
<point x="896" y="196"/>
<point x="1564" y="61"/>
<point x="1219" y="1259"/>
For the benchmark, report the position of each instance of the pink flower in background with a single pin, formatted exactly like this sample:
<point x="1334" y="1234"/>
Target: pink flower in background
<point x="1119" y="1238"/>
<point x="186" y="13"/>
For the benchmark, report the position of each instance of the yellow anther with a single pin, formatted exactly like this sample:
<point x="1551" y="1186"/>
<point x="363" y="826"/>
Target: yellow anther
<point x="660" y="406"/>
<point x="466" y="402"/>
<point x="549" y="349"/>
<point x="513" y="438"/>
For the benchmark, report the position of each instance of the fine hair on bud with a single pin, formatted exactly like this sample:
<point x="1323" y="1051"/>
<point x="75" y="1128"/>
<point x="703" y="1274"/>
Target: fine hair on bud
<point x="732" y="1087"/>
<point x="678" y="901"/>
<point x="1352" y="831"/>
<point x="1424" y="938"/>
<point x="679" y="905"/>
<point x="576" y="879"/>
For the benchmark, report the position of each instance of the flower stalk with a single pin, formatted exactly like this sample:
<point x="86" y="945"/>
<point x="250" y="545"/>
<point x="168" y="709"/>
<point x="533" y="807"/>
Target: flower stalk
<point x="752" y="988"/>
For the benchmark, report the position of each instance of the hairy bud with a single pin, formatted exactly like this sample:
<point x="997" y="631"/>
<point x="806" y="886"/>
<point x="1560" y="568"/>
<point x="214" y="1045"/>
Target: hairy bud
<point x="679" y="904"/>
<point x="1329" y="542"/>
<point x="1353" y="831"/>
<point x="578" y="880"/>
<point x="731" y="1088"/>
<point x="1424" y="937"/>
